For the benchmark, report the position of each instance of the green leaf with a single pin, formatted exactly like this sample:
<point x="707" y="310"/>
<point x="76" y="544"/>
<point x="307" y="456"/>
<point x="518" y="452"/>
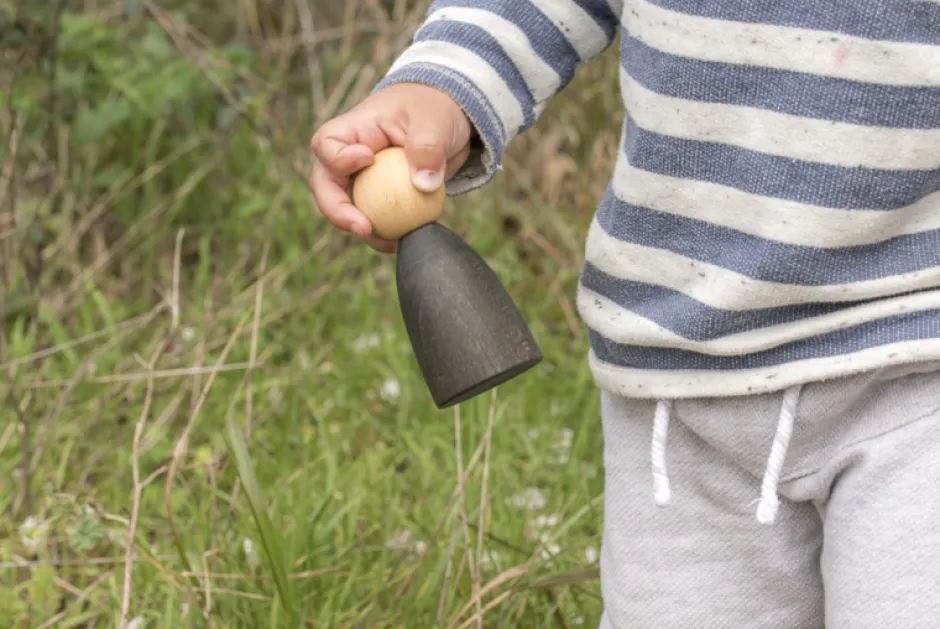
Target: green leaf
<point x="60" y="336"/>
<point x="83" y="34"/>
<point x="88" y="532"/>
<point x="93" y="124"/>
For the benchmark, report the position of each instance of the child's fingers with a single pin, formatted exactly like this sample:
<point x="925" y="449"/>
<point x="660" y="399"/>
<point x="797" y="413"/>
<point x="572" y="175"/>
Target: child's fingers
<point x="329" y="191"/>
<point x="347" y="145"/>
<point x="380" y="244"/>
<point x="337" y="207"/>
<point x="341" y="157"/>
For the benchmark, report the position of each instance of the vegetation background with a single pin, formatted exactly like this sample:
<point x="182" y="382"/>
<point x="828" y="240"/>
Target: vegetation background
<point x="209" y="413"/>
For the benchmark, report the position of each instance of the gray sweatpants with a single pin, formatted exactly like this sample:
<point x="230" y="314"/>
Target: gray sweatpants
<point x="856" y="539"/>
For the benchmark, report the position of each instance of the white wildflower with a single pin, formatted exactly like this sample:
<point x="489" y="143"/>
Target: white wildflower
<point x="118" y="537"/>
<point x="549" y="551"/>
<point x="364" y="342"/>
<point x="590" y="553"/>
<point x="562" y="448"/>
<point x="542" y="528"/>
<point x="391" y="389"/>
<point x="531" y="499"/>
<point x="545" y="521"/>
<point x="31" y="532"/>
<point x="187" y="333"/>
<point x="402" y="540"/>
<point x="579" y="620"/>
<point x="248" y="547"/>
<point x="136" y="623"/>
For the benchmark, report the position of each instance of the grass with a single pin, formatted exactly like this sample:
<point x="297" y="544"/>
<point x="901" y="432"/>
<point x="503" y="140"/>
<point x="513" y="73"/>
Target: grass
<point x="209" y="412"/>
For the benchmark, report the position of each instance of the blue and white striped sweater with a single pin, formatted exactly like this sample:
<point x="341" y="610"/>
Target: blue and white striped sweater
<point x="774" y="215"/>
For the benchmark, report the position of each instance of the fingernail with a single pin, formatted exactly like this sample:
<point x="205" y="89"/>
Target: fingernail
<point x="427" y="180"/>
<point x="360" y="229"/>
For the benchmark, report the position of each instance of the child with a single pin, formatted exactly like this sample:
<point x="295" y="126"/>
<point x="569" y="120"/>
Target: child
<point x="765" y="263"/>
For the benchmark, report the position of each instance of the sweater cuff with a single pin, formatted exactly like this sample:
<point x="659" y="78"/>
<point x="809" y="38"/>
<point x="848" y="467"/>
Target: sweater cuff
<point x="488" y="136"/>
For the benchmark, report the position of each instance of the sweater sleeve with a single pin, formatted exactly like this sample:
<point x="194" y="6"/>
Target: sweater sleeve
<point x="502" y="60"/>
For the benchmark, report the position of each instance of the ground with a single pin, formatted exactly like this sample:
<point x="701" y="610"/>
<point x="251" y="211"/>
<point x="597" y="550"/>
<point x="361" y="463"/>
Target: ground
<point x="194" y="364"/>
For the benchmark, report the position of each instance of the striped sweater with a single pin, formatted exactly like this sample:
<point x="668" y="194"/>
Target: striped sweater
<point x="774" y="214"/>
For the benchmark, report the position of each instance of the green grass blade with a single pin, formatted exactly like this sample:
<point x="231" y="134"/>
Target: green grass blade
<point x="270" y="540"/>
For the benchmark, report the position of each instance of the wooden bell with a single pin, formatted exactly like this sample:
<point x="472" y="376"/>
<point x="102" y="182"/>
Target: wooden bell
<point x="466" y="332"/>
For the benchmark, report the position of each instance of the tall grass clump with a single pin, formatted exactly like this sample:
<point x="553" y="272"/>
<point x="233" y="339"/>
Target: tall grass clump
<point x="209" y="412"/>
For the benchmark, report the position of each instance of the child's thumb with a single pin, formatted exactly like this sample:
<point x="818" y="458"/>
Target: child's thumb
<point x="426" y="150"/>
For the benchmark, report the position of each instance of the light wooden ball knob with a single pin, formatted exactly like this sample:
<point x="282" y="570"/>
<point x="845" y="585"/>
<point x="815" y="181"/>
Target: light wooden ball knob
<point x="384" y="193"/>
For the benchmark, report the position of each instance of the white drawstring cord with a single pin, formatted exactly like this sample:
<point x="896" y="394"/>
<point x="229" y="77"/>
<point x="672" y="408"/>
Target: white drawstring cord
<point x="661" y="491"/>
<point x="769" y="502"/>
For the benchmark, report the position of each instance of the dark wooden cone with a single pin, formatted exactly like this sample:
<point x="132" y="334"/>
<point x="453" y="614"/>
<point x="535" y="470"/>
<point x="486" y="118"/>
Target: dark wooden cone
<point x="467" y="334"/>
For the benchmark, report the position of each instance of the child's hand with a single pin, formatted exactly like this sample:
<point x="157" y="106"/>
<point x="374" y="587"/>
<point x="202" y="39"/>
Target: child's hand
<point x="431" y="127"/>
